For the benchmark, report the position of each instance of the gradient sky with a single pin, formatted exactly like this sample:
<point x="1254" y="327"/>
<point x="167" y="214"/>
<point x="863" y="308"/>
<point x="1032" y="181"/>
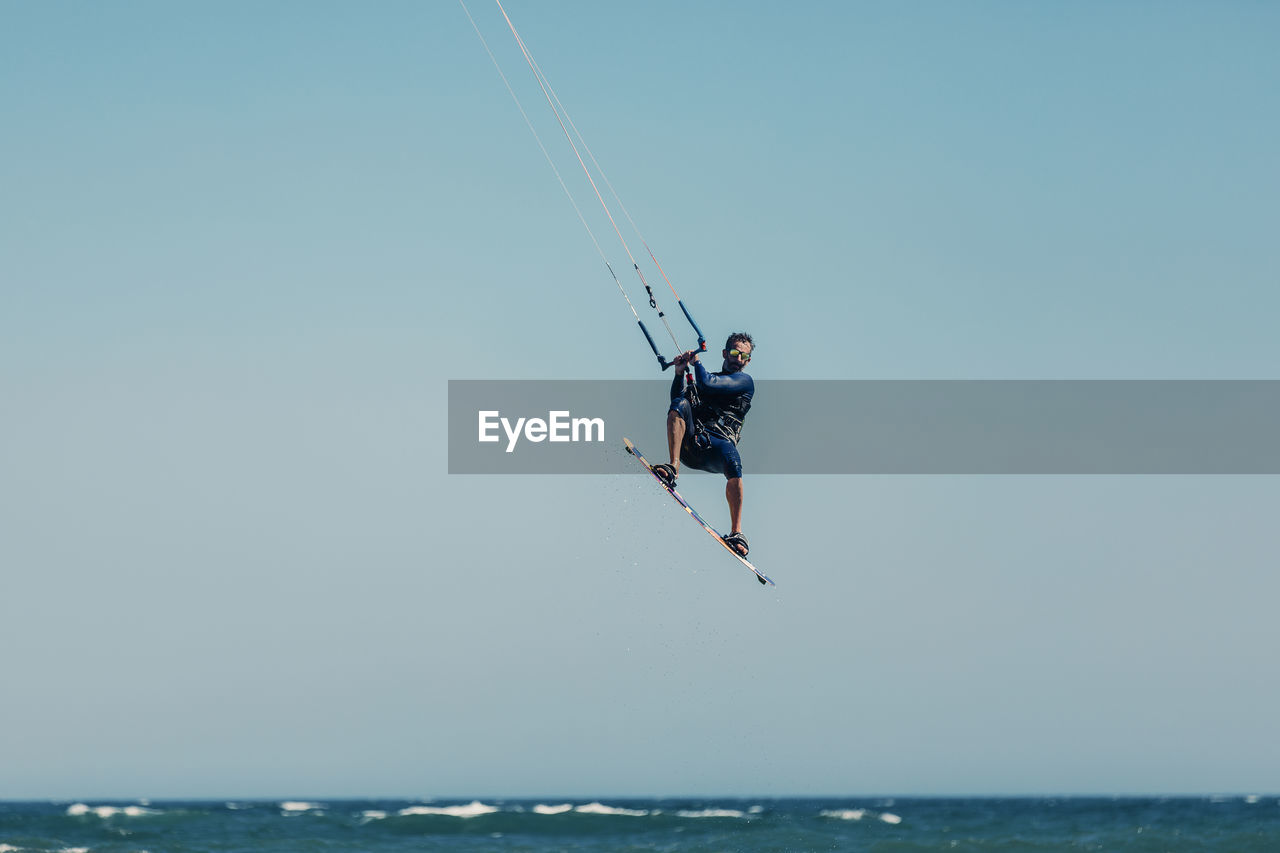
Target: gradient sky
<point x="243" y="248"/>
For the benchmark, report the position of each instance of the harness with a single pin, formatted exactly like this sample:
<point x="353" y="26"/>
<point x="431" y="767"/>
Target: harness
<point x="723" y="420"/>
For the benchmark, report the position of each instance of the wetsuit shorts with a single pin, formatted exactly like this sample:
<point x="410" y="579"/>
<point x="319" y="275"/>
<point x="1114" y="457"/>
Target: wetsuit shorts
<point x="719" y="457"/>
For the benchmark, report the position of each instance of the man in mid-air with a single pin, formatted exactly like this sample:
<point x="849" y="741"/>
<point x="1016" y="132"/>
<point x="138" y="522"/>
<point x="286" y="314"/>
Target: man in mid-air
<point x="704" y="434"/>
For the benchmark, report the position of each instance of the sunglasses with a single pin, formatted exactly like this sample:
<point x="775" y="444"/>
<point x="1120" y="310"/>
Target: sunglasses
<point x="745" y="356"/>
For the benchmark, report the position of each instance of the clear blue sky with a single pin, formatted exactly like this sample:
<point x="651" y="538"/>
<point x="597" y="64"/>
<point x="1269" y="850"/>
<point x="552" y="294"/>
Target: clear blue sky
<point x="244" y="246"/>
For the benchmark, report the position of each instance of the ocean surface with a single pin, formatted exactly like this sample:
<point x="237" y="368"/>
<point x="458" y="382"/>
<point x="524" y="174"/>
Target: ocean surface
<point x="1238" y="824"/>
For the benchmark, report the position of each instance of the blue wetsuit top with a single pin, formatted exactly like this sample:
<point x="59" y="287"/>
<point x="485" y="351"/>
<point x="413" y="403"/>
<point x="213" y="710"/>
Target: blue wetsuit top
<point x="723" y="401"/>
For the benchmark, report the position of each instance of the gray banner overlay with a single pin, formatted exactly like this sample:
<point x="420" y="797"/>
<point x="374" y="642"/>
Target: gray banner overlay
<point x="884" y="427"/>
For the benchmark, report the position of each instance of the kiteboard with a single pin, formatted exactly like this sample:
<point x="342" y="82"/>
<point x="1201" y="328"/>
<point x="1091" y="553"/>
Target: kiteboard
<point x="635" y="451"/>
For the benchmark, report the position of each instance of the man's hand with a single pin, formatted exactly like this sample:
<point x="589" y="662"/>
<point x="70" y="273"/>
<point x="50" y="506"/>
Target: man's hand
<point x="684" y="358"/>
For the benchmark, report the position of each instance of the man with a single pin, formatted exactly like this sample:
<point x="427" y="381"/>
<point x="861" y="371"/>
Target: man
<point x="704" y="434"/>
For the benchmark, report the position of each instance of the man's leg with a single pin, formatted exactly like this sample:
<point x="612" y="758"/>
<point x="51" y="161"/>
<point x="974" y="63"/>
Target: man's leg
<point x="733" y="494"/>
<point x="675" y="436"/>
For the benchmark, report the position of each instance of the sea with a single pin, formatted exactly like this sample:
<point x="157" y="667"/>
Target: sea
<point x="1222" y="824"/>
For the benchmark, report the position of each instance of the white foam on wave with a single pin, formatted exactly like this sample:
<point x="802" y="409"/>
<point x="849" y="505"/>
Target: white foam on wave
<point x="373" y="814"/>
<point x="561" y="809"/>
<point x="8" y="848"/>
<point x="711" y="813"/>
<point x="1252" y="798"/>
<point x="104" y="812"/>
<point x="74" y="850"/>
<point x="859" y="814"/>
<point x="298" y="806"/>
<point x="473" y="809"/>
<point x="601" y="808"/>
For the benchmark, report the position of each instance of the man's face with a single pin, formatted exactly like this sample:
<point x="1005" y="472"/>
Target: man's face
<point x="736" y="357"/>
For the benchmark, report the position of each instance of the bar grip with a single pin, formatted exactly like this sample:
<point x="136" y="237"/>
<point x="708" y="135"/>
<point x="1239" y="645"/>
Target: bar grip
<point x="702" y="341"/>
<point x="662" y="361"/>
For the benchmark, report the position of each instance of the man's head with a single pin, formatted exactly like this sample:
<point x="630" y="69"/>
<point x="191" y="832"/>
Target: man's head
<point x="737" y="352"/>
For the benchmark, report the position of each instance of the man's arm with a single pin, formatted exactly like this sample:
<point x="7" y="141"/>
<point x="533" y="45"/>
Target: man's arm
<point x="677" y="384"/>
<point x="728" y="384"/>
<point x="679" y="362"/>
